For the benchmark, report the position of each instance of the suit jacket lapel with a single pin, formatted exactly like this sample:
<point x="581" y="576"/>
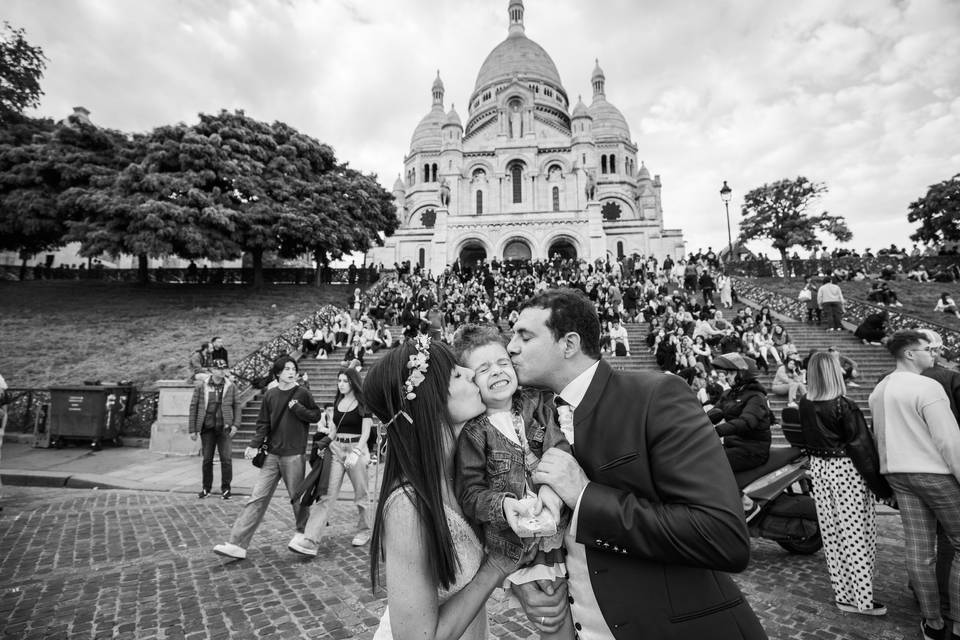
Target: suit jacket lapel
<point x="584" y="411"/>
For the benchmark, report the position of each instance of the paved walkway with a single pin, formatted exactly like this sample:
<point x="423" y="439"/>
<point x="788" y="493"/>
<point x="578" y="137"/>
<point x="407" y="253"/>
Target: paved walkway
<point x="78" y="467"/>
<point x="132" y="560"/>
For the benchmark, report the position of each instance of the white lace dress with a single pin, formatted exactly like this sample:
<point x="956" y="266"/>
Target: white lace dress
<point x="469" y="552"/>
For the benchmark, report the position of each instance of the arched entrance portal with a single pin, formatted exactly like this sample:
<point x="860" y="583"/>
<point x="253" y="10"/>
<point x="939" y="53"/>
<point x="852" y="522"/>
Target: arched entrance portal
<point x="516" y="250"/>
<point x="471" y="254"/>
<point x="564" y="248"/>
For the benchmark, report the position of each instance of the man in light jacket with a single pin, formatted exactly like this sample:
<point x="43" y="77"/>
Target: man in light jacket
<point x="214" y="414"/>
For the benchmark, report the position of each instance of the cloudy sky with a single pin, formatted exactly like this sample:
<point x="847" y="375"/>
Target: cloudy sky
<point x="863" y="95"/>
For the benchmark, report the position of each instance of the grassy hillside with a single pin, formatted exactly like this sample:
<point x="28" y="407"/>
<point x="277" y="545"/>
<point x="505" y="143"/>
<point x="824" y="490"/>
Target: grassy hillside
<point x="65" y="332"/>
<point x="918" y="298"/>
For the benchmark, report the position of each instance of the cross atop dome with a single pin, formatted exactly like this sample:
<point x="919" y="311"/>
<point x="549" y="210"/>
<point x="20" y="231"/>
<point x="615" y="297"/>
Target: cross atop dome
<point x="515" y="11"/>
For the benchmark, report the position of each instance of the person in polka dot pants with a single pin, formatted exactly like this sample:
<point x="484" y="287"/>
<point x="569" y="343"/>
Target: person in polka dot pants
<point x="846" y="475"/>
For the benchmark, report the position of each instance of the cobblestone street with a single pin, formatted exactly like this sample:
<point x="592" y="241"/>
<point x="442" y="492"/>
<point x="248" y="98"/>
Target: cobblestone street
<point x="125" y="564"/>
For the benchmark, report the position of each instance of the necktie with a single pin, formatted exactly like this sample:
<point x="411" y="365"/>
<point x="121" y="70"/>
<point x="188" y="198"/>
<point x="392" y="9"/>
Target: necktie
<point x="565" y="417"/>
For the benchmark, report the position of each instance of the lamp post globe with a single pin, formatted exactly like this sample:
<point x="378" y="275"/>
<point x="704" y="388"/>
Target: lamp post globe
<point x="725" y="192"/>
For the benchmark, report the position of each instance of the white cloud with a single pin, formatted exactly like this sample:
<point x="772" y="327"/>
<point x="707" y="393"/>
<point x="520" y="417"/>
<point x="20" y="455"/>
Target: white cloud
<point x="863" y="95"/>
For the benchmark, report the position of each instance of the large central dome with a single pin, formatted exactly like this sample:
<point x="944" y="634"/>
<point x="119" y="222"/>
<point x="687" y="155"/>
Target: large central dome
<point x="517" y="55"/>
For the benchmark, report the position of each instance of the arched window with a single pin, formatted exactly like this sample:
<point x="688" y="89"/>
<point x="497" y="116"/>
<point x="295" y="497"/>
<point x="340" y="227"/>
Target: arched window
<point x="613" y="163"/>
<point x="479" y="202"/>
<point x="426" y="173"/>
<point x="603" y="164"/>
<point x="516" y="175"/>
<point x="556" y="198"/>
<point x="619" y="248"/>
<point x="422" y="259"/>
<point x="434" y="174"/>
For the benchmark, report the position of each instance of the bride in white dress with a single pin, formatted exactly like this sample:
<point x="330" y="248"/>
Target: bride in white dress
<point x="437" y="577"/>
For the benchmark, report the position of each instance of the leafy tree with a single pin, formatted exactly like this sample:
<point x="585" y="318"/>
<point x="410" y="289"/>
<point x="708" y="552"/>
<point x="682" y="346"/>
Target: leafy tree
<point x="40" y="165"/>
<point x="779" y="211"/>
<point x="226" y="186"/>
<point x="21" y="67"/>
<point x="938" y="212"/>
<point x="342" y="212"/>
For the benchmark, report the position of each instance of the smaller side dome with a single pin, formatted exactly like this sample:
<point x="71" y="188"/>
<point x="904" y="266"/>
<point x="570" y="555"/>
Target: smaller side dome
<point x="643" y="173"/>
<point x="438" y="83"/>
<point x="399" y="184"/>
<point x="580" y="111"/>
<point x="453" y="118"/>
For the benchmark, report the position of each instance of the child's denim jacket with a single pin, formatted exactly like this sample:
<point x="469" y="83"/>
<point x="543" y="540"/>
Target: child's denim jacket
<point x="490" y="468"/>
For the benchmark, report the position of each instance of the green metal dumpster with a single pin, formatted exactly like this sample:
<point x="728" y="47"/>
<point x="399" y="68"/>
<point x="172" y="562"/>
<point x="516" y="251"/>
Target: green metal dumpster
<point x="94" y="413"/>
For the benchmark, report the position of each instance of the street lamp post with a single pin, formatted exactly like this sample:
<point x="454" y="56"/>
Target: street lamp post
<point x="725" y="192"/>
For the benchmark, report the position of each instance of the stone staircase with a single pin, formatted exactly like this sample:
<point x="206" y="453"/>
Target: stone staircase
<point x="872" y="361"/>
<point x="322" y="377"/>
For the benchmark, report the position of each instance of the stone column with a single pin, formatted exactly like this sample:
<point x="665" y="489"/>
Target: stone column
<point x="169" y="434"/>
<point x="438" y="248"/>
<point x="598" y="238"/>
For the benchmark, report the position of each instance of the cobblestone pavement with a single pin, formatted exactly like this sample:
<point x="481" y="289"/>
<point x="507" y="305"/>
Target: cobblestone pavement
<point x="124" y="564"/>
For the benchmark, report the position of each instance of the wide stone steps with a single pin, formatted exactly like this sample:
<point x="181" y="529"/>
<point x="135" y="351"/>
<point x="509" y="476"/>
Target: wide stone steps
<point x="872" y="362"/>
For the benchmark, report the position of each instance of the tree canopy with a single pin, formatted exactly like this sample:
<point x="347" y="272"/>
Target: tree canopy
<point x="938" y="212"/>
<point x="21" y="67"/>
<point x="41" y="167"/>
<point x="231" y="185"/>
<point x="781" y="212"/>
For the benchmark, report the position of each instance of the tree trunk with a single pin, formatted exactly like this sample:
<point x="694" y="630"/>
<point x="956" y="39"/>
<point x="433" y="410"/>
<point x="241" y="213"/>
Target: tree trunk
<point x="784" y="265"/>
<point x="321" y="259"/>
<point x="143" y="270"/>
<point x="23" y="269"/>
<point x="257" y="258"/>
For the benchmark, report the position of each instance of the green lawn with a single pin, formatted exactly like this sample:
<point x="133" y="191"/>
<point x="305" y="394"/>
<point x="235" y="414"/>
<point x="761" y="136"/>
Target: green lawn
<point x="918" y="298"/>
<point x="65" y="332"/>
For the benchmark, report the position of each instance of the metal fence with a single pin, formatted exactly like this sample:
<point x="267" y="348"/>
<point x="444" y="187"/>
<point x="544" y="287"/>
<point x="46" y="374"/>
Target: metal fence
<point x="279" y="275"/>
<point x="946" y="267"/>
<point x="29" y="407"/>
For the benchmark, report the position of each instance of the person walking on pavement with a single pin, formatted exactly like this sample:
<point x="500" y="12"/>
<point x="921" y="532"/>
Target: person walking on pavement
<point x="919" y="444"/>
<point x="282" y="426"/>
<point x="949" y="379"/>
<point x="350" y="456"/>
<point x="214" y="413"/>
<point x="830" y="300"/>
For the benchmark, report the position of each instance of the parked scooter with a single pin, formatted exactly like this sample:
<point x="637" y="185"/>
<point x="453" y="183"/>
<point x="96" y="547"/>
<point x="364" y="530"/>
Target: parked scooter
<point x="783" y="496"/>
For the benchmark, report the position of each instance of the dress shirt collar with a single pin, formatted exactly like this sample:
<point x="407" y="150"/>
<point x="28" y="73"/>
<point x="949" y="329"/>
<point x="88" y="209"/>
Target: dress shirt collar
<point x="573" y="393"/>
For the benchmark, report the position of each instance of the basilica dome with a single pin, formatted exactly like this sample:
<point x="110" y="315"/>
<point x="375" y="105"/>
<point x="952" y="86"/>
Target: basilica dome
<point x="427" y="133"/>
<point x="608" y="122"/>
<point x="517" y="55"/>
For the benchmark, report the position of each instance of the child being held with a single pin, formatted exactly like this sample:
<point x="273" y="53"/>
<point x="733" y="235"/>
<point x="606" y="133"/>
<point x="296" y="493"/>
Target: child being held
<point x="499" y="450"/>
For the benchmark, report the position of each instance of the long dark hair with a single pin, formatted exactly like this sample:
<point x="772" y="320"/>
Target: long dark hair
<point x="354" y="378"/>
<point x="414" y="460"/>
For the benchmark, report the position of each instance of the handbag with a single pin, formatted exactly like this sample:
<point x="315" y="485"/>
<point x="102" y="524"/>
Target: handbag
<point x="261" y="456"/>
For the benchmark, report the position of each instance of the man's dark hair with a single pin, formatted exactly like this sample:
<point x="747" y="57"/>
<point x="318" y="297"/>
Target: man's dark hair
<point x="902" y="340"/>
<point x="215" y="338"/>
<point x="281" y="362"/>
<point x="570" y="311"/>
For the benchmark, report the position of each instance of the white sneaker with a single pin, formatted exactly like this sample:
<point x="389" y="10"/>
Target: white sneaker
<point x="362" y="538"/>
<point x="230" y="550"/>
<point x="302" y="545"/>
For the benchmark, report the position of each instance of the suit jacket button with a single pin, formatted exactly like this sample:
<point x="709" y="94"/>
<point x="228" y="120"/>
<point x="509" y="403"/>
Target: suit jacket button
<point x="577" y="626"/>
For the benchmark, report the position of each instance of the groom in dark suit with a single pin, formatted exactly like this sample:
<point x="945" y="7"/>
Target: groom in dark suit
<point x="657" y="515"/>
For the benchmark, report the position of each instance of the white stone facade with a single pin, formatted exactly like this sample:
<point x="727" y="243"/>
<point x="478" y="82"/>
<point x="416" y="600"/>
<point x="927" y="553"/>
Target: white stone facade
<point x="526" y="176"/>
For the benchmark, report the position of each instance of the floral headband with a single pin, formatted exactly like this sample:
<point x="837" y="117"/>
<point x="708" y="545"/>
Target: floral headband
<point x="417" y="364"/>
